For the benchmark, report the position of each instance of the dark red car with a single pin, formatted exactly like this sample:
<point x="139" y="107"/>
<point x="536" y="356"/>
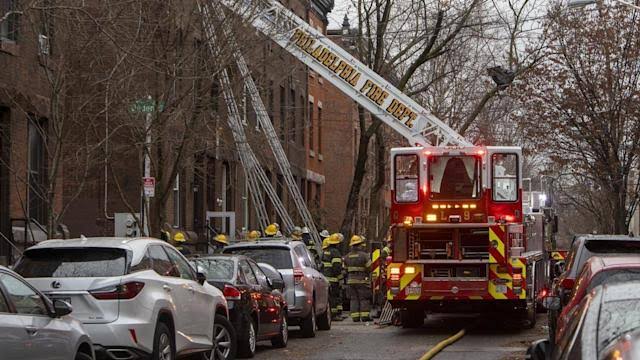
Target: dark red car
<point x="583" y="247"/>
<point x="597" y="271"/>
<point x="257" y="308"/>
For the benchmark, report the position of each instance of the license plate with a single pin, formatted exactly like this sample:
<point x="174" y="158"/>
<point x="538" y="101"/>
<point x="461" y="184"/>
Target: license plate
<point x="502" y="289"/>
<point x="414" y="290"/>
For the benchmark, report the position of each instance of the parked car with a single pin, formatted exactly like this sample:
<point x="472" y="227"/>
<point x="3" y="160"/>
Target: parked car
<point x="597" y="271"/>
<point x="34" y="327"/>
<point x="306" y="289"/>
<point x="257" y="308"/>
<point x="137" y="298"/>
<point x="603" y="317"/>
<point x="583" y="247"/>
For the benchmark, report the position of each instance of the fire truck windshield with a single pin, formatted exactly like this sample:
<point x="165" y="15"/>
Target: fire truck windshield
<point x="454" y="177"/>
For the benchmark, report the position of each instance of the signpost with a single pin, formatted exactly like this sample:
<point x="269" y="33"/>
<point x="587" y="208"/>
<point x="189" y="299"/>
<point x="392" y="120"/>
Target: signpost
<point x="146" y="106"/>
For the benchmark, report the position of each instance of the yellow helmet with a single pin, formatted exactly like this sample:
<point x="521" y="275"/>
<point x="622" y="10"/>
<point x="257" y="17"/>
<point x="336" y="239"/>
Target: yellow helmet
<point x="333" y="239"/>
<point x="271" y="230"/>
<point x="222" y="238"/>
<point x="253" y="235"/>
<point x="325" y="243"/>
<point x="356" y="240"/>
<point x="179" y="237"/>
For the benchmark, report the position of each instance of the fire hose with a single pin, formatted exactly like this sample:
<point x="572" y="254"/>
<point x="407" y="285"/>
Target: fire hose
<point x="441" y="345"/>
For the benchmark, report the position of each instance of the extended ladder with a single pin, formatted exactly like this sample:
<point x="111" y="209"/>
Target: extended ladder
<point x="267" y="126"/>
<point x="347" y="73"/>
<point x="255" y="176"/>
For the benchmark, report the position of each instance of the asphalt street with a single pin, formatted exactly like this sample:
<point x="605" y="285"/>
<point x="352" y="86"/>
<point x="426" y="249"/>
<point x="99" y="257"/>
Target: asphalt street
<point x="486" y="338"/>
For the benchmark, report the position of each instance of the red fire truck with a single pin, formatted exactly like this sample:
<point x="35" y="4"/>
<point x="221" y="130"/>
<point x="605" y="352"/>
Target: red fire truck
<point x="458" y="236"/>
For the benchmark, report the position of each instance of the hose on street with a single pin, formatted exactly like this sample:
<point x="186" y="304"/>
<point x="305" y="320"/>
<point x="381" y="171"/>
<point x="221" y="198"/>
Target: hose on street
<point x="441" y="345"/>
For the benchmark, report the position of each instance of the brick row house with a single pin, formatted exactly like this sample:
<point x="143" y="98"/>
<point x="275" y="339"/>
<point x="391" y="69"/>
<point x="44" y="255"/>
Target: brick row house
<point x="98" y="168"/>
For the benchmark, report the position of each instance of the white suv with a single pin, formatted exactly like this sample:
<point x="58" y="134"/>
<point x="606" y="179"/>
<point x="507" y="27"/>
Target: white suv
<point x="135" y="297"/>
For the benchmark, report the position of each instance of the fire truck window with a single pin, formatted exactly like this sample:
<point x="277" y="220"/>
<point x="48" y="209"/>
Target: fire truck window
<point x="454" y="177"/>
<point x="505" y="177"/>
<point x="407" y="179"/>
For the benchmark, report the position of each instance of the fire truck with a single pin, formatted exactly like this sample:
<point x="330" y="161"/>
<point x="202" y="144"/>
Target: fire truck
<point x="458" y="229"/>
<point x="458" y="235"/>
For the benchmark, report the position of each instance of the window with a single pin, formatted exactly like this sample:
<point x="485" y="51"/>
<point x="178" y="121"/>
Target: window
<point x="4" y="306"/>
<point x="37" y="170"/>
<point x="262" y="278"/>
<point x="303" y="256"/>
<point x="454" y="177"/>
<point x="278" y="257"/>
<point x="301" y="122"/>
<point x="319" y="129"/>
<point x="406" y="178"/>
<point x="184" y="269"/>
<point x="9" y="27"/>
<point x="160" y="262"/>
<point x="144" y="264"/>
<point x="505" y="177"/>
<point x="311" y="139"/>
<point x="23" y="297"/>
<point x="215" y="269"/>
<point x="176" y="201"/>
<point x="271" y="100"/>
<point x="318" y="198"/>
<point x="79" y="262"/>
<point x="248" y="273"/>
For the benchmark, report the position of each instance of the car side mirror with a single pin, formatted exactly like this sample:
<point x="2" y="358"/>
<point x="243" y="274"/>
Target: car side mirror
<point x="551" y="303"/>
<point x="61" y="308"/>
<point x="277" y="284"/>
<point x="539" y="350"/>
<point x="201" y="278"/>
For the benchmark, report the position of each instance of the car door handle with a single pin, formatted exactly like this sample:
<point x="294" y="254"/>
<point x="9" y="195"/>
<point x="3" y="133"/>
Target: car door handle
<point x="166" y="288"/>
<point x="31" y="330"/>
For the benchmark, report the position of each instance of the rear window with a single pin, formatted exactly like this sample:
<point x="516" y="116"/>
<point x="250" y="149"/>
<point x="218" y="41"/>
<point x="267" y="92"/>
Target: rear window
<point x="617" y="318"/>
<point x="613" y="247"/>
<point x="215" y="269"/>
<point x="278" y="257"/>
<point x="614" y="276"/>
<point x="66" y="262"/>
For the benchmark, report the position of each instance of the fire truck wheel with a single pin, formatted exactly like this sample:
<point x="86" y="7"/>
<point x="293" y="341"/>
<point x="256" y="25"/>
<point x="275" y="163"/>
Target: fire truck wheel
<point x="412" y="318"/>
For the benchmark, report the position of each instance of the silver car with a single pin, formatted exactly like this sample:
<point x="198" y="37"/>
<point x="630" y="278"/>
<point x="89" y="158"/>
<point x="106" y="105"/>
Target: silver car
<point x="306" y="289"/>
<point x="34" y="328"/>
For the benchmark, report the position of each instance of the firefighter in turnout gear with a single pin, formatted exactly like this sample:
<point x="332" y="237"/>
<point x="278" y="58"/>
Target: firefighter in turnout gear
<point x="179" y="241"/>
<point x="332" y="270"/>
<point x="253" y="235"/>
<point x="219" y="243"/>
<point x="358" y="287"/>
<point x="272" y="230"/>
<point x="296" y="234"/>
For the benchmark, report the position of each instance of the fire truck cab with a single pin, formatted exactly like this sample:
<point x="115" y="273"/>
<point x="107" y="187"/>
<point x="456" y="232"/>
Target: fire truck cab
<point x="457" y="233"/>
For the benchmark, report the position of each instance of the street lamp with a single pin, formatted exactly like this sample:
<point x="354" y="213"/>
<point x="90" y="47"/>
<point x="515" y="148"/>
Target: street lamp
<point x="581" y="3"/>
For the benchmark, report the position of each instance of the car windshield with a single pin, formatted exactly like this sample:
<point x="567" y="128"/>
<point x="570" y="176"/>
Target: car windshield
<point x="73" y="262"/>
<point x="617" y="318"/>
<point x="614" y="276"/>
<point x="278" y="257"/>
<point x="454" y="177"/>
<point x="215" y="269"/>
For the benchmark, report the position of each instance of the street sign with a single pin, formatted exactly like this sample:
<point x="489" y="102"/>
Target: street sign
<point x="146" y="106"/>
<point x="149" y="184"/>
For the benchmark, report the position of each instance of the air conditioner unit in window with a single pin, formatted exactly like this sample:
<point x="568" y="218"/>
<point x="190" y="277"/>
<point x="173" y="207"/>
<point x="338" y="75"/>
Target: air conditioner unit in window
<point x="43" y="41"/>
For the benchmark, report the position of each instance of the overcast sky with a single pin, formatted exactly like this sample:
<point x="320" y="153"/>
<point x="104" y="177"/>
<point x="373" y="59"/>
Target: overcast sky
<point x="335" y="16"/>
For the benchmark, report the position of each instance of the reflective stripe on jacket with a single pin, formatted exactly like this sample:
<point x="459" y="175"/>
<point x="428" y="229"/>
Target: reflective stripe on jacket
<point x="357" y="263"/>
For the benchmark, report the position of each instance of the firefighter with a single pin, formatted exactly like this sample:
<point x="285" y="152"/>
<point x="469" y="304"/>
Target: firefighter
<point x="296" y="234"/>
<point x="358" y="287"/>
<point x="332" y="270"/>
<point x="324" y="234"/>
<point x="179" y="243"/>
<point x="272" y="230"/>
<point x="219" y="243"/>
<point x="253" y="235"/>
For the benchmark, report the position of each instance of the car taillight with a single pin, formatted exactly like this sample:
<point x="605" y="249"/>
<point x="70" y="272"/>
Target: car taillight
<point x="567" y="283"/>
<point x="124" y="291"/>
<point x="298" y="275"/>
<point x="231" y="293"/>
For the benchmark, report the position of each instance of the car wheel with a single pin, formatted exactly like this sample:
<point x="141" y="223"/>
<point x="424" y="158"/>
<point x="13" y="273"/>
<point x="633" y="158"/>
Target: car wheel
<point x="281" y="340"/>
<point x="324" y="321"/>
<point x="83" y="356"/>
<point x="247" y="340"/>
<point x="164" y="347"/>
<point x="308" y="324"/>
<point x="224" y="340"/>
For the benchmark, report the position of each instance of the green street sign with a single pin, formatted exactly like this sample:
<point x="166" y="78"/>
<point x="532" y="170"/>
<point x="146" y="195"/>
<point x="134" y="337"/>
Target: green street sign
<point x="145" y="106"/>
